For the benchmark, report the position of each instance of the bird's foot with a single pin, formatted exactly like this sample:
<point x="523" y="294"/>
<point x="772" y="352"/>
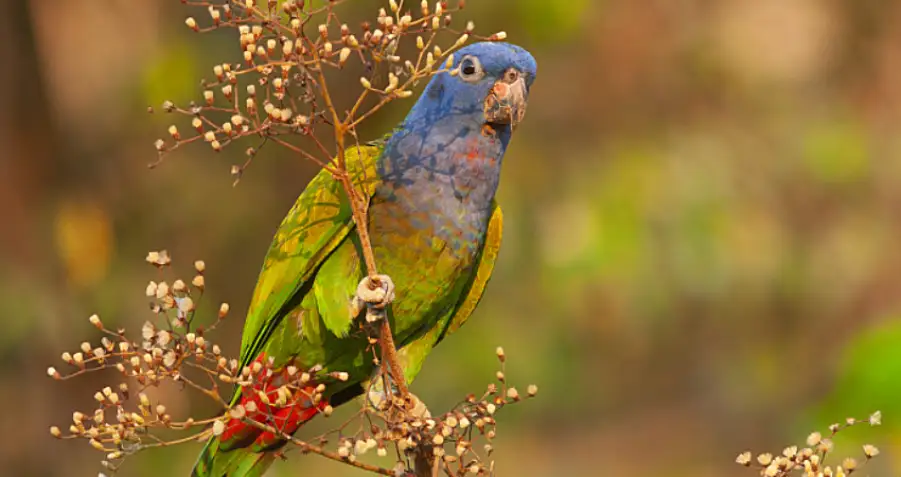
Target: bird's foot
<point x="375" y="294"/>
<point x="413" y="406"/>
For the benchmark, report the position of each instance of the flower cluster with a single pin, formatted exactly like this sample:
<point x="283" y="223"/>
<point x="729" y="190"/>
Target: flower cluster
<point x="810" y="461"/>
<point x="277" y="91"/>
<point x="174" y="348"/>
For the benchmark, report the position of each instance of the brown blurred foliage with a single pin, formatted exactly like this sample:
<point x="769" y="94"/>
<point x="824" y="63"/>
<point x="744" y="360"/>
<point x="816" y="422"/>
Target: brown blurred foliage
<point x="701" y="211"/>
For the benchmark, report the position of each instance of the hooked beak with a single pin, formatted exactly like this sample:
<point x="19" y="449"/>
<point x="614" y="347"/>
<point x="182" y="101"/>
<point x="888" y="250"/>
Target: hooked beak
<point x="506" y="102"/>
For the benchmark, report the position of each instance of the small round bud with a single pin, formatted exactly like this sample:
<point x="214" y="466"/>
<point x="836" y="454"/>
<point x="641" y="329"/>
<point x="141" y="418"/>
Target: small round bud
<point x="870" y="451"/>
<point x="875" y="419"/>
<point x="343" y="55"/>
<point x="95" y="320"/>
<point x="814" y="439"/>
<point x="513" y="394"/>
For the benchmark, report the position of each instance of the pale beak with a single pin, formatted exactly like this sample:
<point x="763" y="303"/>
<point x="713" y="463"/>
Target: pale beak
<point x="506" y="102"/>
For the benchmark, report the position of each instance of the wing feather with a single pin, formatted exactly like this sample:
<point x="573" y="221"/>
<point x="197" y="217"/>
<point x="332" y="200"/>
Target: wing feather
<point x="319" y="222"/>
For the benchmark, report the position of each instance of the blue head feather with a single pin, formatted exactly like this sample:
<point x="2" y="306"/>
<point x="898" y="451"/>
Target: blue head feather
<point x="442" y="160"/>
<point x="449" y="96"/>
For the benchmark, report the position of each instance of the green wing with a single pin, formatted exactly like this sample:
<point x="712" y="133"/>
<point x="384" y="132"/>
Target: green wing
<point x="473" y="294"/>
<point x="413" y="355"/>
<point x="319" y="221"/>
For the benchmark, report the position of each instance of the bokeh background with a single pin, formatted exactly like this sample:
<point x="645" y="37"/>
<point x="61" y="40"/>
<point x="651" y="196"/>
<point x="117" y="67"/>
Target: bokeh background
<point x="701" y="256"/>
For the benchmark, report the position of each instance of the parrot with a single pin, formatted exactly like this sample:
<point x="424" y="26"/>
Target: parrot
<point x="435" y="231"/>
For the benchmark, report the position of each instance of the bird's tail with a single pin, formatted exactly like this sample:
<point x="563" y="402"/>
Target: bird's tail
<point x="245" y="450"/>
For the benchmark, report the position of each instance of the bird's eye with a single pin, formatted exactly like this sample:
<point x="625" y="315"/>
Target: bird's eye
<point x="470" y="69"/>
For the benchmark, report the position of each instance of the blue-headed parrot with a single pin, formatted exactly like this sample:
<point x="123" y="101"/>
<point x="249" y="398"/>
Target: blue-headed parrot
<point x="435" y="229"/>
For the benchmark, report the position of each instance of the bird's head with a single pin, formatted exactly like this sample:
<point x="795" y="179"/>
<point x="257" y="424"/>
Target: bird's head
<point x="490" y="87"/>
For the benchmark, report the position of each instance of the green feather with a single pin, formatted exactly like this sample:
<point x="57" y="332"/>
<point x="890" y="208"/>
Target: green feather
<point x="319" y="221"/>
<point x="412" y="356"/>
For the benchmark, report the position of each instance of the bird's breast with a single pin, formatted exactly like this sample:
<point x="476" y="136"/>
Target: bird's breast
<point x="428" y="246"/>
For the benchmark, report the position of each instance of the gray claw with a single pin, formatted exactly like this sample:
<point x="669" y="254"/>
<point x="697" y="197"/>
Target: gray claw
<point x="377" y="297"/>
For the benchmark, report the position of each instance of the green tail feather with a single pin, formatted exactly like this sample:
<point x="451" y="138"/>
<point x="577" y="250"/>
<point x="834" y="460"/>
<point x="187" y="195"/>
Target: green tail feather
<point x="241" y="462"/>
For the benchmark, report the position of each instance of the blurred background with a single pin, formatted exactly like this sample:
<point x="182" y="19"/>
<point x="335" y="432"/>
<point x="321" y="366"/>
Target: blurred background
<point x="702" y="216"/>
